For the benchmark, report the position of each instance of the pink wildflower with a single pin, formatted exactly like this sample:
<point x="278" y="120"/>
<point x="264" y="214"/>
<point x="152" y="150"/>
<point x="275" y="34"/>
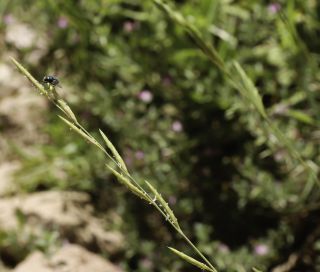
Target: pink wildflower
<point x="261" y="249"/>
<point x="145" y="96"/>
<point x="177" y="126"/>
<point x="274" y="8"/>
<point x="62" y="22"/>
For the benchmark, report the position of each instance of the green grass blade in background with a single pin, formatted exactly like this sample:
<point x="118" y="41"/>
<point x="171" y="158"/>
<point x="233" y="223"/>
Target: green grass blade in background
<point x="240" y="81"/>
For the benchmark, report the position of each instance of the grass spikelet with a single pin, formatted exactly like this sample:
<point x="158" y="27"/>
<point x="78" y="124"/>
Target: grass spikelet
<point x="67" y="110"/>
<point x="35" y="82"/>
<point x="84" y="135"/>
<point x="126" y="182"/>
<point x="114" y="151"/>
<point x="164" y="204"/>
<point x="191" y="260"/>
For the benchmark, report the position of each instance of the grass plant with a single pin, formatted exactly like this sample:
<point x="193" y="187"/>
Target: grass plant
<point x="298" y="165"/>
<point x="238" y="78"/>
<point x="116" y="165"/>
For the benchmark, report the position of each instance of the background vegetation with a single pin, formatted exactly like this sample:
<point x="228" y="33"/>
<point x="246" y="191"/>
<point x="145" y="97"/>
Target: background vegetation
<point x="127" y="68"/>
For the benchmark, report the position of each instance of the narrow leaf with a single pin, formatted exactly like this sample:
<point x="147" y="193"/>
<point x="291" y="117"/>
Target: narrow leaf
<point x="249" y="90"/>
<point x="301" y="116"/>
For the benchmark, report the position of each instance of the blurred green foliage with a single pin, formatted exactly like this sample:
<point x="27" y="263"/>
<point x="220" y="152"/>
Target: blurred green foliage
<point x="177" y="122"/>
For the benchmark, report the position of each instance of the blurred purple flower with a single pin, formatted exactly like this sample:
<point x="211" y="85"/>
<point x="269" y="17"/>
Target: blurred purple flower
<point x="129" y="26"/>
<point x="145" y="96"/>
<point x="139" y="155"/>
<point x="261" y="249"/>
<point x="128" y="160"/>
<point x="62" y="22"/>
<point x="172" y="200"/>
<point x="177" y="126"/>
<point x="167" y="81"/>
<point x="223" y="248"/>
<point x="274" y="8"/>
<point x="127" y="156"/>
<point x="8" y="19"/>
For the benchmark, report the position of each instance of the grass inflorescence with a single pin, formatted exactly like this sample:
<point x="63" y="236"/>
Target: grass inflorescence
<point x="117" y="167"/>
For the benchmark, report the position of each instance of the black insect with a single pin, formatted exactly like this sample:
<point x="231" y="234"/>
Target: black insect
<point x="52" y="80"/>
